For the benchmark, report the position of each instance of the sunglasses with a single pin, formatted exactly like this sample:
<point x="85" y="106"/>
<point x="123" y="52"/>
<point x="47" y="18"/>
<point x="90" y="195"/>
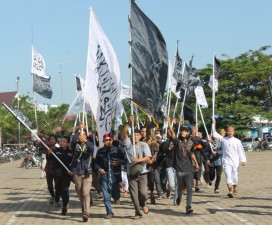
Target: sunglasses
<point x="108" y="139"/>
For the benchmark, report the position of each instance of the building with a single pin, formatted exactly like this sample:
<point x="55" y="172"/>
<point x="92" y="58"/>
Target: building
<point x="260" y="127"/>
<point x="8" y="97"/>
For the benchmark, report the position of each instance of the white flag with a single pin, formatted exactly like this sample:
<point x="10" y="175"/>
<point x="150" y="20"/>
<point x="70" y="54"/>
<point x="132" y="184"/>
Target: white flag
<point x="38" y="64"/>
<point x="200" y="97"/>
<point x="174" y="86"/>
<point x="213" y="85"/>
<point x="102" y="78"/>
<point x="125" y="92"/>
<point x="119" y="113"/>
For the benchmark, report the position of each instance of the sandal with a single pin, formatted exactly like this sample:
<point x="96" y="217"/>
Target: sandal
<point x="136" y="217"/>
<point x="230" y="195"/>
<point x="146" y="210"/>
<point x="85" y="217"/>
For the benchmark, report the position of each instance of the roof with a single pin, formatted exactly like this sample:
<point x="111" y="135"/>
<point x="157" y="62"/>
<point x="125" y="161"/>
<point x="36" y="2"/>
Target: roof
<point x="68" y="118"/>
<point x="7" y="97"/>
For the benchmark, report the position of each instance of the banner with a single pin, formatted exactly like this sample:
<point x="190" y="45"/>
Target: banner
<point x="149" y="59"/>
<point x="22" y="117"/>
<point x="102" y="78"/>
<point x="200" y="97"/>
<point x="213" y="84"/>
<point x="125" y="92"/>
<point x="38" y="64"/>
<point x="41" y="85"/>
<point x="119" y="113"/>
<point x="41" y="82"/>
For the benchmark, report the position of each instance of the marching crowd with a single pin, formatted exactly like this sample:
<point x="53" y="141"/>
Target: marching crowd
<point x="146" y="164"/>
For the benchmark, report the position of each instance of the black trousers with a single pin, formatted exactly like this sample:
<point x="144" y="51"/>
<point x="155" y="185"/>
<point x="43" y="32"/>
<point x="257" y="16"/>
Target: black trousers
<point x="206" y="174"/>
<point x="62" y="184"/>
<point x="216" y="170"/>
<point x="50" y="185"/>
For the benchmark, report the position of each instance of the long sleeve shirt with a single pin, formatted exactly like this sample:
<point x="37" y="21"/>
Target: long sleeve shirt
<point x="103" y="160"/>
<point x="233" y="151"/>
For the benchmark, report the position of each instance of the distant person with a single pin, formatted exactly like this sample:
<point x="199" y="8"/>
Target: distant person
<point x="42" y="150"/>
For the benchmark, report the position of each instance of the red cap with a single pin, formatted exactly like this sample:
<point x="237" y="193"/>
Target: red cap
<point x="106" y="136"/>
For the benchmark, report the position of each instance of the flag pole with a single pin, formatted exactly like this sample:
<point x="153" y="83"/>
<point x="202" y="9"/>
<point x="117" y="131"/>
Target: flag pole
<point x="213" y="91"/>
<point x="70" y="108"/>
<point x="196" y="116"/>
<point x="131" y="87"/>
<point x="35" y="106"/>
<point x="202" y="118"/>
<point x="95" y="147"/>
<point x="174" y="114"/>
<point x="183" y="102"/>
<point x="182" y="109"/>
<point x="74" y="128"/>
<point x="168" y="100"/>
<point x="18" y="118"/>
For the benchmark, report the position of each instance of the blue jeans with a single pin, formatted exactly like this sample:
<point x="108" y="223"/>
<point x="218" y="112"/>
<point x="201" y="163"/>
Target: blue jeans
<point x="109" y="190"/>
<point x="172" y="181"/>
<point x="171" y="177"/>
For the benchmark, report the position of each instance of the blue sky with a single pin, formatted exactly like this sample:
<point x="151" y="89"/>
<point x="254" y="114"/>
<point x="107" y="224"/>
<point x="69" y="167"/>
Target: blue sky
<point x="60" y="34"/>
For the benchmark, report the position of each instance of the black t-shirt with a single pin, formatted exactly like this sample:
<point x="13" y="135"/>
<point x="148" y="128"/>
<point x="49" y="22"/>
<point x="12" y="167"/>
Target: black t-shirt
<point x="183" y="156"/>
<point x="168" y="148"/>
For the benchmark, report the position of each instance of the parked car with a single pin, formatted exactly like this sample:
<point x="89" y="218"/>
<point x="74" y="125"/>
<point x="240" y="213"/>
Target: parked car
<point x="250" y="143"/>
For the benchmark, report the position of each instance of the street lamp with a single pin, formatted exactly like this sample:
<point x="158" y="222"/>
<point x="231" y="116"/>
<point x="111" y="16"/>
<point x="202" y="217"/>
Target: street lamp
<point x="19" y="133"/>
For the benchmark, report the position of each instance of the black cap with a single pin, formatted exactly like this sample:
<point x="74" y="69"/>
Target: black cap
<point x="184" y="128"/>
<point x="137" y="131"/>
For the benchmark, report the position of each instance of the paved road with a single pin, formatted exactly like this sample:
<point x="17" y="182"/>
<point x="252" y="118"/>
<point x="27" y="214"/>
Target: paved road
<point x="24" y="200"/>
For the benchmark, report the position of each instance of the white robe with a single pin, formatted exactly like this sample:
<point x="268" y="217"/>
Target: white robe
<point x="233" y="154"/>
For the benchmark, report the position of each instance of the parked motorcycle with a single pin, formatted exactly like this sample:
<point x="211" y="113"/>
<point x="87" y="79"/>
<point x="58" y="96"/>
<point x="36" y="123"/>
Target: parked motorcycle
<point x="32" y="160"/>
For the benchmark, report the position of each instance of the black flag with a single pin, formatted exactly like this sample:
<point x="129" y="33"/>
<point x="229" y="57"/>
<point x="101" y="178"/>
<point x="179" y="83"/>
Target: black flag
<point x="21" y="117"/>
<point x="177" y="74"/>
<point x="41" y="85"/>
<point x="149" y="62"/>
<point x="189" y="115"/>
<point x="217" y="67"/>
<point x="78" y="84"/>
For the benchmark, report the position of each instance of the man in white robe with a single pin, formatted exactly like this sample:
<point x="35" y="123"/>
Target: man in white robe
<point x="233" y="156"/>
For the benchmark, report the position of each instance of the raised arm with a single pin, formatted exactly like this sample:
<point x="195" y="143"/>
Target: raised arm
<point x="126" y="127"/>
<point x="215" y="134"/>
<point x="170" y="128"/>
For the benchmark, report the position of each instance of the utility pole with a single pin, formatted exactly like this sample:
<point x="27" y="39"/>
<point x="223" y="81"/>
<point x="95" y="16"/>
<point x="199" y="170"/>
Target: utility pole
<point x="18" y="105"/>
<point x="60" y="73"/>
<point x="61" y="87"/>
